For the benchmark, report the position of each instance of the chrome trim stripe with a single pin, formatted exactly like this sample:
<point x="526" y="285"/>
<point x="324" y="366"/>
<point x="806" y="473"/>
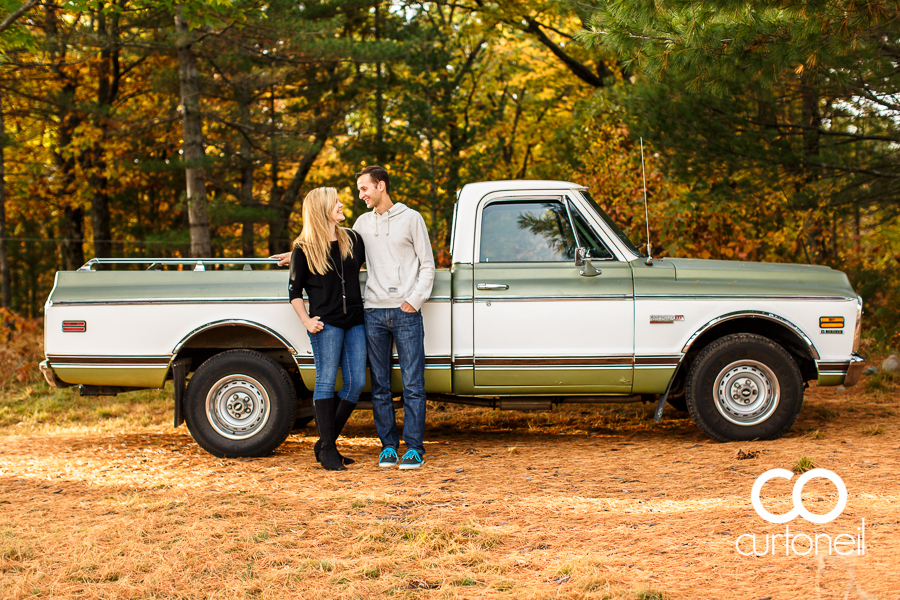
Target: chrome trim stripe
<point x="131" y="301"/>
<point x="833" y="364"/>
<point x="754" y="314"/>
<point x="661" y="360"/>
<point x="511" y="367"/>
<point x="164" y="365"/>
<point x="482" y="298"/>
<point x="554" y="361"/>
<point x="69" y="359"/>
<point x="738" y="296"/>
<point x="168" y="301"/>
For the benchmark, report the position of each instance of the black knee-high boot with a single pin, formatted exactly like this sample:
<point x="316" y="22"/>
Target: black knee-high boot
<point x="342" y="414"/>
<point x="324" y="409"/>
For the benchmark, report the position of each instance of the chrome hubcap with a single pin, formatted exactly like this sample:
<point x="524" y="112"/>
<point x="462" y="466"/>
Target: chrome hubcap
<point x="237" y="407"/>
<point x="746" y="392"/>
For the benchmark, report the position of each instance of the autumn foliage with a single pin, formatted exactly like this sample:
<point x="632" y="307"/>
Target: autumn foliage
<point x="772" y="145"/>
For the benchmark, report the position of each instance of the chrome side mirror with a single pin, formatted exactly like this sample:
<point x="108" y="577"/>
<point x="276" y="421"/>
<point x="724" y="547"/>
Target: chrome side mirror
<point x="582" y="260"/>
<point x="580" y="255"/>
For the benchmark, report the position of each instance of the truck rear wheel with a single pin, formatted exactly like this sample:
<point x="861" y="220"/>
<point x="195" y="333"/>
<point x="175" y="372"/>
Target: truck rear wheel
<point x="744" y="387"/>
<point x="240" y="403"/>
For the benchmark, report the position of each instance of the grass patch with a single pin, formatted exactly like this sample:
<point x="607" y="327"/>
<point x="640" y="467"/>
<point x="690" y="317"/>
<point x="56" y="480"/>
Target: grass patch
<point x="39" y="408"/>
<point x="826" y="414"/>
<point x="873" y="430"/>
<point x="371" y="573"/>
<point x="649" y="595"/>
<point x="804" y="464"/>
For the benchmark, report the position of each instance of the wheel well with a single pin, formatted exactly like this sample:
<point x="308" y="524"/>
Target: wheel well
<point x="203" y="345"/>
<point x="781" y="334"/>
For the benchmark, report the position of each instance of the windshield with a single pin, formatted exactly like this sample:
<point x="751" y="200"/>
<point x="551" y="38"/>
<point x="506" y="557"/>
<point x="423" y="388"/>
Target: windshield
<point x="610" y="223"/>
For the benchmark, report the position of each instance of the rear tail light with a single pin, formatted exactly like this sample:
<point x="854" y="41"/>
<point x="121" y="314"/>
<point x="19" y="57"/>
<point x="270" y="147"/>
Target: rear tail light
<point x="74" y="326"/>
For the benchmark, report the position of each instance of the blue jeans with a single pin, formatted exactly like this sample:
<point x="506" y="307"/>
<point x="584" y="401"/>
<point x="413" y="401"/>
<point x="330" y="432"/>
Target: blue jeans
<point x="384" y="328"/>
<point x="335" y="348"/>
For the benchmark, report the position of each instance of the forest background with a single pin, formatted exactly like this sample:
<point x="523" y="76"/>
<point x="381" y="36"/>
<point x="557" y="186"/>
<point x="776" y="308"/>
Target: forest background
<point x="131" y="128"/>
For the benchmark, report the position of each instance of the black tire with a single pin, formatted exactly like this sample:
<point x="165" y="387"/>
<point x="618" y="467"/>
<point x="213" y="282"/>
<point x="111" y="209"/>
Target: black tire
<point x="744" y="387"/>
<point x="240" y="403"/>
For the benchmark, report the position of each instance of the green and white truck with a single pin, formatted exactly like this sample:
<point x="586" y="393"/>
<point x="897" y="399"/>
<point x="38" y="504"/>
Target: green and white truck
<point x="546" y="301"/>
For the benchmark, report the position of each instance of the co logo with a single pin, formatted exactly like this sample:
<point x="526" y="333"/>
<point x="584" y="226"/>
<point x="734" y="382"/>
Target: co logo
<point x="797" y="495"/>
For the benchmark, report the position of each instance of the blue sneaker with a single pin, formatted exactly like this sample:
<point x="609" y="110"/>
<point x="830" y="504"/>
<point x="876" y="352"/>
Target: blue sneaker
<point x="388" y="458"/>
<point x="412" y="460"/>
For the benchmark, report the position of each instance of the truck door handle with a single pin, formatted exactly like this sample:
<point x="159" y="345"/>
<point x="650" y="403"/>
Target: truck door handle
<point x="492" y="286"/>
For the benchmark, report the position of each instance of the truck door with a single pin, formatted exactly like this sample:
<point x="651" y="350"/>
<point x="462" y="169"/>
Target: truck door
<point x="540" y="326"/>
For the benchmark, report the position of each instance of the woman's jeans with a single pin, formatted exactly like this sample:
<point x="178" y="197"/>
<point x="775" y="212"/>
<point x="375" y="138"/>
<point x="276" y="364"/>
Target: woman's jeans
<point x="335" y="348"/>
<point x="384" y="328"/>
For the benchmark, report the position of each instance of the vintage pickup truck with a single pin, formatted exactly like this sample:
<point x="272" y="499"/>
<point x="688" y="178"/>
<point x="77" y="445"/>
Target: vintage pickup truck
<point x="546" y="301"/>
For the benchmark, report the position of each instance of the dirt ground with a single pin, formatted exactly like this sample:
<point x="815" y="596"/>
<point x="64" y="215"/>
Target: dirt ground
<point x="585" y="501"/>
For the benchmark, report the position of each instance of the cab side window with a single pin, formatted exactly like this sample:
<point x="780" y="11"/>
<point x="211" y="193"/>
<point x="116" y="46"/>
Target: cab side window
<point x="526" y="231"/>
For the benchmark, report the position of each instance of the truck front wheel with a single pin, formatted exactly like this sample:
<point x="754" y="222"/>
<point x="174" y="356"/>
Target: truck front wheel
<point x="744" y="387"/>
<point x="240" y="403"/>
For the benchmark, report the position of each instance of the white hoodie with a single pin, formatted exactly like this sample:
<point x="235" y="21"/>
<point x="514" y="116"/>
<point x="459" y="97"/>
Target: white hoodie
<point x="399" y="261"/>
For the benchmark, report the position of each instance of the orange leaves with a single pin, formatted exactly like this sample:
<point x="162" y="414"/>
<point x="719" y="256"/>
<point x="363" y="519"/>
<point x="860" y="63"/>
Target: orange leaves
<point x="21" y="347"/>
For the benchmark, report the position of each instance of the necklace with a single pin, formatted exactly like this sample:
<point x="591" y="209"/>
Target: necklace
<point x="341" y="275"/>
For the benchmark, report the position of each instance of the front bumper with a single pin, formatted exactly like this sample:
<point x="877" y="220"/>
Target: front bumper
<point x="854" y="370"/>
<point x="51" y="377"/>
<point x="843" y="372"/>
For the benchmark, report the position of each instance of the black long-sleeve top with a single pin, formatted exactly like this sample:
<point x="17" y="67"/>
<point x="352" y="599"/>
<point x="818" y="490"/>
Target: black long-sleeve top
<point x="324" y="291"/>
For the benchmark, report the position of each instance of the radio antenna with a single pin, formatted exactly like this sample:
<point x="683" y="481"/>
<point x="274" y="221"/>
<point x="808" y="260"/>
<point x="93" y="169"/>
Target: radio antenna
<point x="646" y="213"/>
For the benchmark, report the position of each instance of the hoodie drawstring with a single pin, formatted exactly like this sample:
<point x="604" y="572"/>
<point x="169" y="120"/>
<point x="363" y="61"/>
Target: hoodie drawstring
<point x="386" y="215"/>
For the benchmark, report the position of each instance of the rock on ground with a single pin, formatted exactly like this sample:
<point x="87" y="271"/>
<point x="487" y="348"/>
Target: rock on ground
<point x="891" y="364"/>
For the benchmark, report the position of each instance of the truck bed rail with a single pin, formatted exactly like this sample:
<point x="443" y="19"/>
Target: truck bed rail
<point x="199" y="263"/>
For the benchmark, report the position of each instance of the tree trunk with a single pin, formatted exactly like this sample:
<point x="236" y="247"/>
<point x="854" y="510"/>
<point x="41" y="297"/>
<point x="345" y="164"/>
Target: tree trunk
<point x="246" y="199"/>
<point x="192" y="135"/>
<point x="72" y="217"/>
<point x="107" y="89"/>
<point x="4" y="258"/>
<point x="72" y="229"/>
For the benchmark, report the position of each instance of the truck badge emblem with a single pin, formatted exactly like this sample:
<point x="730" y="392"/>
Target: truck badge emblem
<point x="665" y="318"/>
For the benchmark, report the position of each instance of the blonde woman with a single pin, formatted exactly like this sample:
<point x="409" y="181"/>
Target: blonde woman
<point x="325" y="262"/>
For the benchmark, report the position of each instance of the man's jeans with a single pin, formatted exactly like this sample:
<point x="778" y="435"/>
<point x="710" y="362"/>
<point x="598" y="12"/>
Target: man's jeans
<point x="385" y="327"/>
<point x="332" y="348"/>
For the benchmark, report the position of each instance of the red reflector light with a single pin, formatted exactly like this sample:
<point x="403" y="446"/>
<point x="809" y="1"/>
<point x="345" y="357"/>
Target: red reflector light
<point x="74" y="326"/>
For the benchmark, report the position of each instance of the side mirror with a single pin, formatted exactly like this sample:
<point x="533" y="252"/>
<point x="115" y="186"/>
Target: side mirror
<point x="582" y="260"/>
<point x="580" y="255"/>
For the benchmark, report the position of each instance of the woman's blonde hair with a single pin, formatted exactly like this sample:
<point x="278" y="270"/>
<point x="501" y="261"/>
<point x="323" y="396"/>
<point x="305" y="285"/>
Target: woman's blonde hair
<point x="314" y="239"/>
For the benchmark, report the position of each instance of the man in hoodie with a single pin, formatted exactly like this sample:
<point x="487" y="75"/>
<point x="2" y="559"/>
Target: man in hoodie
<point x="399" y="277"/>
